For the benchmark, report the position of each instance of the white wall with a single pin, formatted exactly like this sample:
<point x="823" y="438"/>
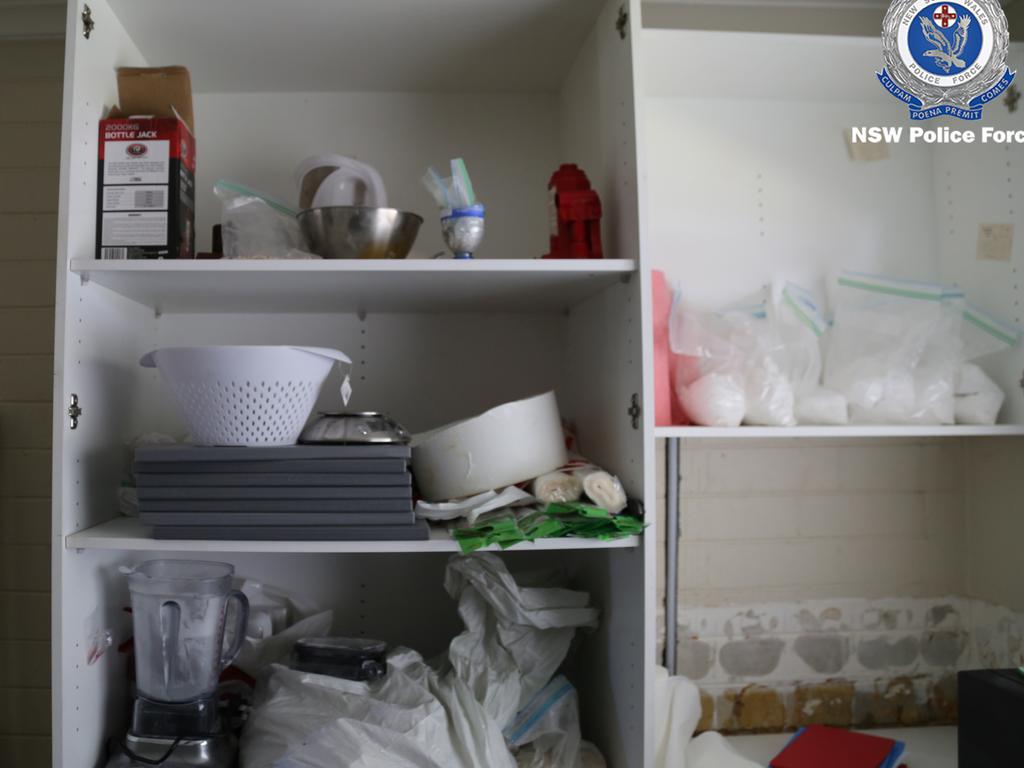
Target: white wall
<point x="30" y="97"/>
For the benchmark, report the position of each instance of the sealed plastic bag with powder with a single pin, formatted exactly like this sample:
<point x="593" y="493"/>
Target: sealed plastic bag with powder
<point x="977" y="397"/>
<point x="729" y="371"/>
<point x="890" y="349"/>
<point x="800" y="325"/>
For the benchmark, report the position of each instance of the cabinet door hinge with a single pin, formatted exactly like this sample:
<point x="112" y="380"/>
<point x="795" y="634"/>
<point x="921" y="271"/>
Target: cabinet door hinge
<point x="621" y="22"/>
<point x="88" y="25"/>
<point x="634" y="410"/>
<point x="74" y="411"/>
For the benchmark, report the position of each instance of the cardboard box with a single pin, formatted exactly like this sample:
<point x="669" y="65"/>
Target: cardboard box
<point x="147" y="161"/>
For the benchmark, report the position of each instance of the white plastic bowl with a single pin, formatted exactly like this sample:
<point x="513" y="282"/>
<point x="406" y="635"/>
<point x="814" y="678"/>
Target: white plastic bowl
<point x="245" y="395"/>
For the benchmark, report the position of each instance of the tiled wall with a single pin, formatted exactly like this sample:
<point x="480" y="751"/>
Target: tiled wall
<point x="861" y="662"/>
<point x="30" y="101"/>
<point x="813" y="562"/>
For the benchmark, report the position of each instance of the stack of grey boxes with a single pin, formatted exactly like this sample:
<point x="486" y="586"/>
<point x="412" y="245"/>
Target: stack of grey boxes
<point x="294" y="493"/>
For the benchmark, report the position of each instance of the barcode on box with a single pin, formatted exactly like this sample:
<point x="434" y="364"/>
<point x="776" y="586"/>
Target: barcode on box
<point x="115" y="253"/>
<point x="150" y="198"/>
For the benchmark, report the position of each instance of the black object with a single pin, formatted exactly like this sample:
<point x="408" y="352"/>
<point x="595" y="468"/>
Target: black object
<point x="283" y="466"/>
<point x="418" y="531"/>
<point x="991" y="709"/>
<point x="276" y="506"/>
<point x="251" y="519"/>
<point x="272" y="479"/>
<point x="351" y="658"/>
<point x="213" y="453"/>
<point x="237" y="493"/>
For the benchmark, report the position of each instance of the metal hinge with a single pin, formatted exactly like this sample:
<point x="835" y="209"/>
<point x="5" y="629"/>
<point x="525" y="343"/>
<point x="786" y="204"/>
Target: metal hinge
<point x="621" y="22"/>
<point x="1011" y="98"/>
<point x="87" y="23"/>
<point x="634" y="410"/>
<point x="74" y="411"/>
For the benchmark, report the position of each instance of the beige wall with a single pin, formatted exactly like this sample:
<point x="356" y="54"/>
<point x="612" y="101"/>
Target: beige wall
<point x="30" y="93"/>
<point x="995" y="525"/>
<point x="789" y="520"/>
<point x="810" y="564"/>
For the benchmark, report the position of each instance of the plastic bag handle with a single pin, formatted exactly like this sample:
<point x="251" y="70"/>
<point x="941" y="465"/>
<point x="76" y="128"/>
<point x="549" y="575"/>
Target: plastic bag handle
<point x="377" y="195"/>
<point x="331" y="354"/>
<point x="241" y="621"/>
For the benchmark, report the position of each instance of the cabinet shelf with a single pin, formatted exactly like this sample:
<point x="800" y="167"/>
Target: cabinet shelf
<point x="497" y="285"/>
<point x="866" y="430"/>
<point x="125" y="533"/>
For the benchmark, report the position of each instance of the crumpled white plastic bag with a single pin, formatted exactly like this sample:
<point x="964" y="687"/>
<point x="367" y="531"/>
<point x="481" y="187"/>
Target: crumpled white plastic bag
<point x="256" y="655"/>
<point x="677" y="712"/>
<point x="515" y="639"/>
<point x="303" y="719"/>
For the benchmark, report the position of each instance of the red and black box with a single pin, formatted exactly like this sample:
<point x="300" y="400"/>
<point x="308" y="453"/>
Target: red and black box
<point x="146" y="189"/>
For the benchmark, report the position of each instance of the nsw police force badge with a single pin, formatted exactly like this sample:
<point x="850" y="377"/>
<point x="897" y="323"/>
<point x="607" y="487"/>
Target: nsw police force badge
<point x="945" y="58"/>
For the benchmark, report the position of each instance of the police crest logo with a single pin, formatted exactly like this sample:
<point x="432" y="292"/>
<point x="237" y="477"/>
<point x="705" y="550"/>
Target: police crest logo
<point x="945" y="58"/>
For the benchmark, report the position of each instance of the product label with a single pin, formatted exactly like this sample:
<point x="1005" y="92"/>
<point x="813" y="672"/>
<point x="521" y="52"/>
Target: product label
<point x="136" y="162"/>
<point x="135" y="228"/>
<point x="137" y="197"/>
<point x="995" y="242"/>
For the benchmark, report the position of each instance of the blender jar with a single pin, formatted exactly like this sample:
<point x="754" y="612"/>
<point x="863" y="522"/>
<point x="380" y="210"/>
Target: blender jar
<point x="179" y="611"/>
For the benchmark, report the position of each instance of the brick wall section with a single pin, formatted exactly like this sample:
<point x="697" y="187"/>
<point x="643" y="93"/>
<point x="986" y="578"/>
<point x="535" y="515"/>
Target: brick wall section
<point x="30" y="103"/>
<point x="778" y="535"/>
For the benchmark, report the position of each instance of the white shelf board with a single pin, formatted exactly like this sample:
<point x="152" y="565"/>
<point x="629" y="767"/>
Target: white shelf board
<point x="879" y="430"/>
<point x="926" y="747"/>
<point x="127" y="533"/>
<point x="414" y="285"/>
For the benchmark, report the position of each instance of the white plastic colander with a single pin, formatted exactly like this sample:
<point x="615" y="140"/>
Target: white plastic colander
<point x="245" y="395"/>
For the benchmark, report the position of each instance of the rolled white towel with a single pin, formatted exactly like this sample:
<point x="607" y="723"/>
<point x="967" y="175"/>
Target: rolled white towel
<point x="557" y="487"/>
<point x="602" y="488"/>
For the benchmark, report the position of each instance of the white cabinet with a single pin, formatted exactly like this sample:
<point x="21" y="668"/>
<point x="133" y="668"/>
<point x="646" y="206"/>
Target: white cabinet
<point x="747" y="177"/>
<point x="516" y="89"/>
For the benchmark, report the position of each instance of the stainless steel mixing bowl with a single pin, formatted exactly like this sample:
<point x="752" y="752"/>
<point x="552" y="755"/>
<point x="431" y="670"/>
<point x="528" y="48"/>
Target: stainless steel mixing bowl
<point x="350" y="232"/>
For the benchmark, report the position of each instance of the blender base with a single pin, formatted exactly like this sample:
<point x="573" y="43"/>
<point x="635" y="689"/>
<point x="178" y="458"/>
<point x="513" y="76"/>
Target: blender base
<point x="215" y="751"/>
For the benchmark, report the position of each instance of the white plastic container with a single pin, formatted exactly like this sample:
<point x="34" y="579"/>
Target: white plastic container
<point x="245" y="395"/>
<point x="506" y="445"/>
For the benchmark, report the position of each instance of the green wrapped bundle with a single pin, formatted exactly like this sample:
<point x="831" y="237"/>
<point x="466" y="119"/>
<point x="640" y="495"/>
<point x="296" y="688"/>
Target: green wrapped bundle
<point x="507" y="528"/>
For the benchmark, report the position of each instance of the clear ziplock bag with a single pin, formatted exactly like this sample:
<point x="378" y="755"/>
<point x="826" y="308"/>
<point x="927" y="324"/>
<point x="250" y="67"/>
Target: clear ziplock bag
<point x="800" y="325"/>
<point x="977" y="397"/>
<point x="550" y="722"/>
<point x="256" y="226"/>
<point x="882" y="330"/>
<point x="729" y="371"/>
<point x="708" y="377"/>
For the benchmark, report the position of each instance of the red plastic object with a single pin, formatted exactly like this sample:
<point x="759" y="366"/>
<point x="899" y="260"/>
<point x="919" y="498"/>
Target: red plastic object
<point x="575" y="215"/>
<point x="819" y="746"/>
<point x="662" y="302"/>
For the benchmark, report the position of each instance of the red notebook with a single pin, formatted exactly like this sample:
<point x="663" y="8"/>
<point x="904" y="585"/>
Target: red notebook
<point x="818" y="747"/>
